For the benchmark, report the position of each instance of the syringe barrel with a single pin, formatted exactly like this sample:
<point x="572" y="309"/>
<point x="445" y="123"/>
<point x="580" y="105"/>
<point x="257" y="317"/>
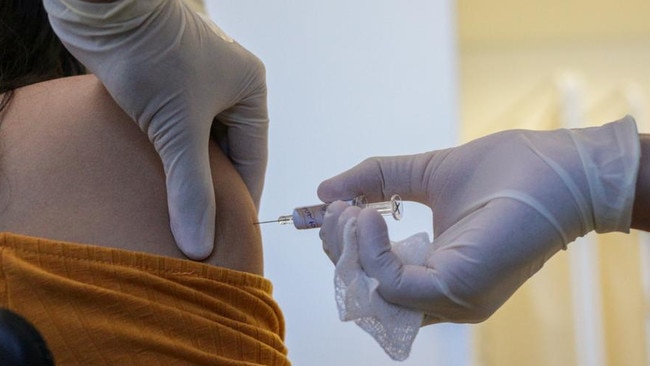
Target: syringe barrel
<point x="311" y="217"/>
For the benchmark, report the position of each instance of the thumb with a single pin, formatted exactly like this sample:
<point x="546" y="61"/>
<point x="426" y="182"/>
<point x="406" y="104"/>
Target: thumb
<point x="376" y="256"/>
<point x="190" y="195"/>
<point x="411" y="286"/>
<point x="378" y="178"/>
<point x="247" y="125"/>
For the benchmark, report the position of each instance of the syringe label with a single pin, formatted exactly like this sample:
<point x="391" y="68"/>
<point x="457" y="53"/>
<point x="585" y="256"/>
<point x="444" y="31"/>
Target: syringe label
<point x="309" y="217"/>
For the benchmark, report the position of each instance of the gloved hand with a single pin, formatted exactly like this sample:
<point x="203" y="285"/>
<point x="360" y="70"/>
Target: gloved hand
<point x="174" y="72"/>
<point x="502" y="205"/>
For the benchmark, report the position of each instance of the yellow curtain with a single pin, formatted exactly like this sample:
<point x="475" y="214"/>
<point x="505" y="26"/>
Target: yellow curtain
<point x="537" y="326"/>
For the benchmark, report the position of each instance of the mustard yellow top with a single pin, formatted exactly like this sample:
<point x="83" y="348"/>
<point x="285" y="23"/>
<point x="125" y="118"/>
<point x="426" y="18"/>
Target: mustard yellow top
<point x="103" y="306"/>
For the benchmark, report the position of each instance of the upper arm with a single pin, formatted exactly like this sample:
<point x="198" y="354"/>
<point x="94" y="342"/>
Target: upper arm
<point x="74" y="167"/>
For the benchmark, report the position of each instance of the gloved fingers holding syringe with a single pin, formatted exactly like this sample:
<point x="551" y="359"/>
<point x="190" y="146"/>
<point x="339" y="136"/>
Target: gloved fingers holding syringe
<point x="312" y="217"/>
<point x="502" y="205"/>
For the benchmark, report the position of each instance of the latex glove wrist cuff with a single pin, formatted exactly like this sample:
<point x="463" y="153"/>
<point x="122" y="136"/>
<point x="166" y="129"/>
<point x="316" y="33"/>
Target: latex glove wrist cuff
<point x="612" y="172"/>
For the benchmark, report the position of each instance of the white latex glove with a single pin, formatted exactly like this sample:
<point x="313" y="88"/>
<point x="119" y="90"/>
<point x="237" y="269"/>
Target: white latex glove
<point x="174" y="72"/>
<point x="502" y="205"/>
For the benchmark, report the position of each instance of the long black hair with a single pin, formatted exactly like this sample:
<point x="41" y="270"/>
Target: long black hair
<point x="30" y="51"/>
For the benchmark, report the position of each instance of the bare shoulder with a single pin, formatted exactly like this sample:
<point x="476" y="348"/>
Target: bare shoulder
<point x="74" y="166"/>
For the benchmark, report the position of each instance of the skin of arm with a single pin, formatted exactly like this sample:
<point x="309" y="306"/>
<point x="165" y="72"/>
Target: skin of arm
<point x="641" y="208"/>
<point x="74" y="167"/>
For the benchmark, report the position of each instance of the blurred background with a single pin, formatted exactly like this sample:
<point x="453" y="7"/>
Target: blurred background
<point x="550" y="64"/>
<point x="353" y="79"/>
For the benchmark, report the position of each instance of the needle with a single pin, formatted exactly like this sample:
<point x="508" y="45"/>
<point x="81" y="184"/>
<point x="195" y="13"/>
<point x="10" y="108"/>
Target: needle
<point x="265" y="222"/>
<point x="310" y="217"/>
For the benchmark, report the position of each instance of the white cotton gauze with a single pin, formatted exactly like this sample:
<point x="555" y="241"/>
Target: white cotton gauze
<point x="393" y="327"/>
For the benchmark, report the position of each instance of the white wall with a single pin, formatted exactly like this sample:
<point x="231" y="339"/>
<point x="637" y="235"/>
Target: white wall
<point x="347" y="80"/>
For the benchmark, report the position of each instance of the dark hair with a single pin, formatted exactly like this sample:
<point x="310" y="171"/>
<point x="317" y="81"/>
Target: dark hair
<point x="30" y="51"/>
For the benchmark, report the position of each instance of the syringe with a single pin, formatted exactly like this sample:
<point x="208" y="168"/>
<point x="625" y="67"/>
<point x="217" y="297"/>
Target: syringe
<point x="311" y="217"/>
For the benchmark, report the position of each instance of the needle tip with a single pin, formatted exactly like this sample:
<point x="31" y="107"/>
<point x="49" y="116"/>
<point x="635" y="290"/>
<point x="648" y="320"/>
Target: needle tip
<point x="264" y="222"/>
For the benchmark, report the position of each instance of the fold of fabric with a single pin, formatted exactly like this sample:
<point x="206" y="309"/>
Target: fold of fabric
<point x="104" y="306"/>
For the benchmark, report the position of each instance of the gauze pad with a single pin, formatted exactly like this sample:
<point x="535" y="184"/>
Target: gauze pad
<point x="393" y="327"/>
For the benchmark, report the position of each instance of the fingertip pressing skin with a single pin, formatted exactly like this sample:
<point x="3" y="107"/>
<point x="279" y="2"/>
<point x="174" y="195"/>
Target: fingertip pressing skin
<point x="193" y="251"/>
<point x="191" y="200"/>
<point x="195" y="241"/>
